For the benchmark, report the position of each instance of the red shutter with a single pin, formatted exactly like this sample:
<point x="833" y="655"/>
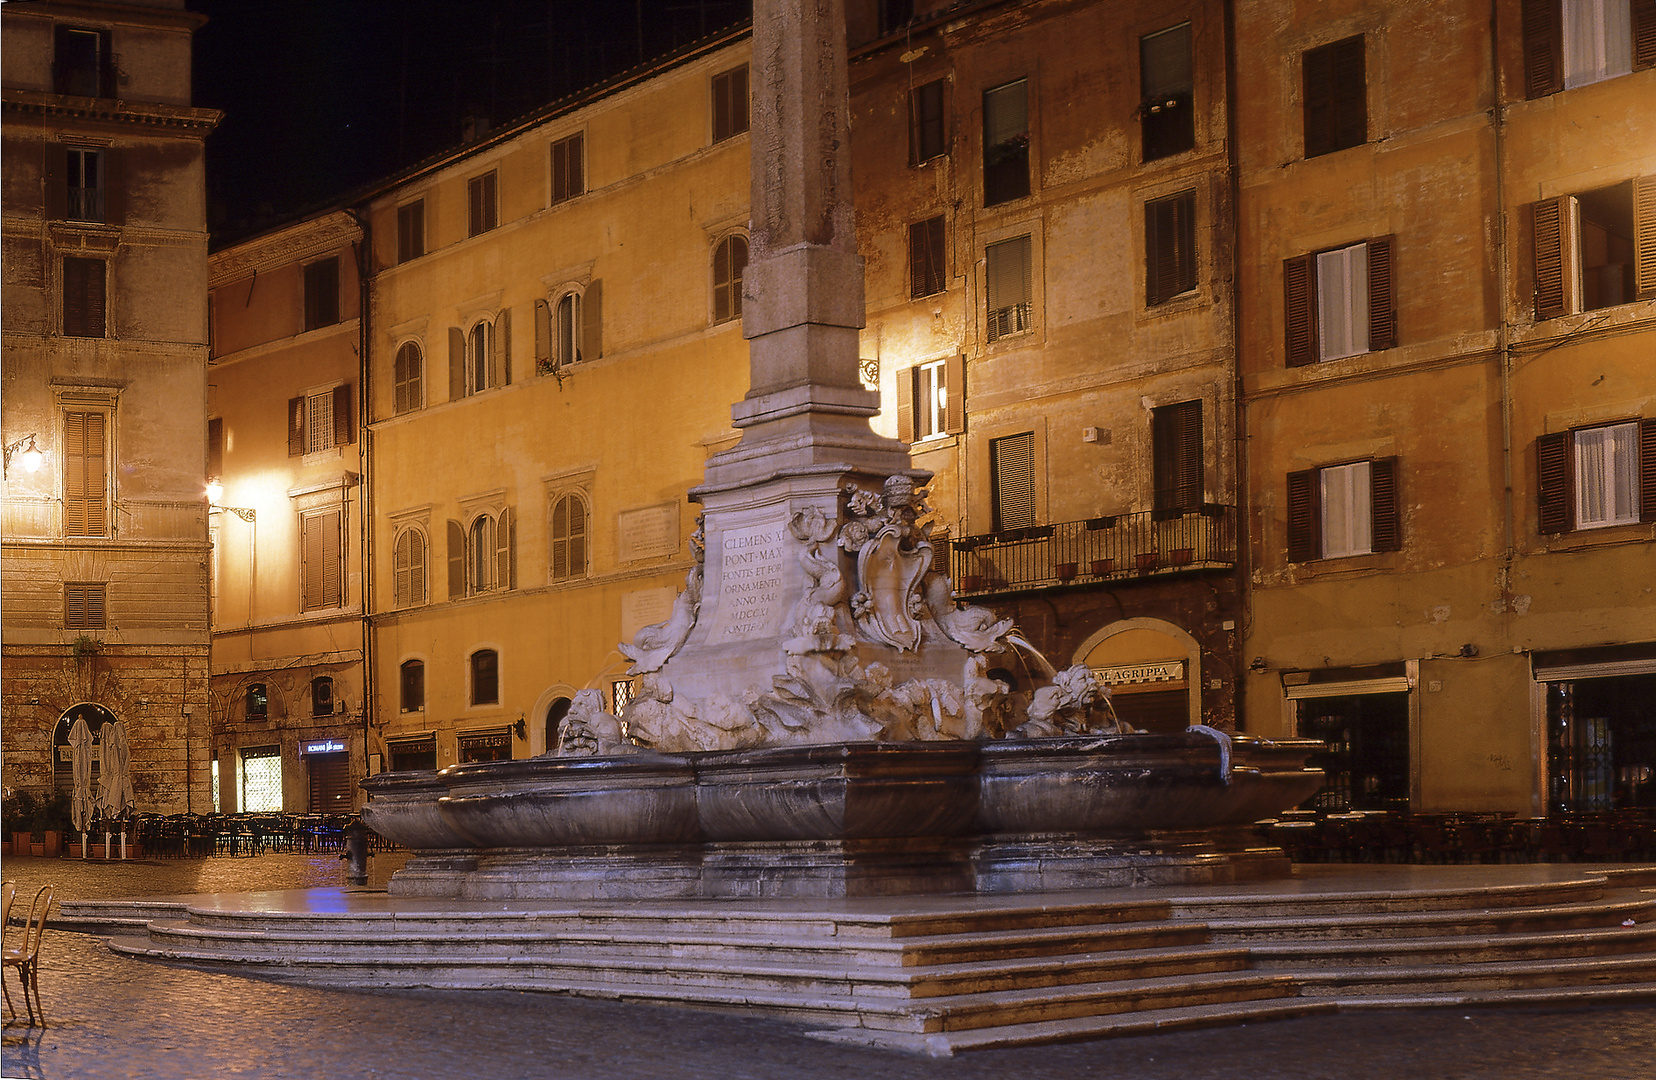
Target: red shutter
<point x="1548" y="216"/>
<point x="1318" y="101"/>
<point x="1644" y="234"/>
<point x="296" y="426"/>
<point x="1382" y="313"/>
<point x="1647" y="470"/>
<point x="954" y="378"/>
<point x="1385" y="516"/>
<point x="1304" y="516"/>
<point x="343" y="416"/>
<point x="1299" y="290"/>
<point x="905" y="403"/>
<point x="1555" y="482"/>
<point x="1644" y="34"/>
<point x="456" y="560"/>
<point x="1543" y="48"/>
<point x="592" y="320"/>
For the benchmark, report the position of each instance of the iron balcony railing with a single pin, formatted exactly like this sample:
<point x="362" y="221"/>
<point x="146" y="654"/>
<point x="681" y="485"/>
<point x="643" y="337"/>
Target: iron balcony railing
<point x="1099" y="549"/>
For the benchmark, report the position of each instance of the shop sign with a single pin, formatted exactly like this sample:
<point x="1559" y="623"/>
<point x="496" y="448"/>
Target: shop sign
<point x="326" y="746"/>
<point x="1166" y="671"/>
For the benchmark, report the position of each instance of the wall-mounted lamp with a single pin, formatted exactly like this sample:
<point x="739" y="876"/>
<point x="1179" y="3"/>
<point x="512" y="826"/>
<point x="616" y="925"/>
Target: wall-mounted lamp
<point x="1257" y="664"/>
<point x="520" y="729"/>
<point x="215" y="492"/>
<point x="33" y="456"/>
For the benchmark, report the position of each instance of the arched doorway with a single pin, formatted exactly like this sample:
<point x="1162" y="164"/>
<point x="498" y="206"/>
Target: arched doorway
<point x="555" y="713"/>
<point x="1153" y="670"/>
<point x="63" y="766"/>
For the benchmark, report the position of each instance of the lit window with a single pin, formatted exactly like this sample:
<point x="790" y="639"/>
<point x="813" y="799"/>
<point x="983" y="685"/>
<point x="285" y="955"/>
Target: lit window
<point x="411" y="678"/>
<point x="1595" y="249"/>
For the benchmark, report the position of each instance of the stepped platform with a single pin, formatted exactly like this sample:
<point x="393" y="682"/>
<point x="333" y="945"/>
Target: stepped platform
<point x="943" y="974"/>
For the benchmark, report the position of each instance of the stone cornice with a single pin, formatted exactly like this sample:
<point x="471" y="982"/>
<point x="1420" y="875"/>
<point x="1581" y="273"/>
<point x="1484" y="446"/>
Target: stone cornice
<point x="111" y="111"/>
<point x="296" y="242"/>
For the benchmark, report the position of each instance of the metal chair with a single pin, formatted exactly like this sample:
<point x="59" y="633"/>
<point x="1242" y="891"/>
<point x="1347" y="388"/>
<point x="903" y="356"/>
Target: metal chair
<point x="22" y="951"/>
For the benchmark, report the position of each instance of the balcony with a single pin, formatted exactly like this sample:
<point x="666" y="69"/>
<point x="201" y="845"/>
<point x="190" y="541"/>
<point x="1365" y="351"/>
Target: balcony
<point x="1121" y="548"/>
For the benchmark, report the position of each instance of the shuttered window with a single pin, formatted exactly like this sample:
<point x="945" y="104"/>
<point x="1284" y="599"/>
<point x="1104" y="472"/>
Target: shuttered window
<point x="322" y="293"/>
<point x="568" y="177"/>
<point x="485" y="677"/>
<point x="928" y="134"/>
<point x="1340" y="302"/>
<point x="488" y="554"/>
<point x="1596" y="477"/>
<point x="1169" y="247"/>
<point x="84" y="605"/>
<point x="926" y="274"/>
<point x="1594" y="249"/>
<point x="411" y="231"/>
<point x="729" y="264"/>
<point x="481" y="199"/>
<point x="930" y="399"/>
<point x="84" y="297"/>
<point x="1176" y="456"/>
<point x="1569" y="43"/>
<point x="1335" y="97"/>
<point x="730" y="103"/>
<point x="408" y="561"/>
<point x="322" y="569"/>
<point x="1012" y="472"/>
<point x="1343" y="510"/>
<point x="320" y="421"/>
<point x="569" y="537"/>
<point x="1009" y="285"/>
<point x="408" y="391"/>
<point x="82" y="64"/>
<point x="1166" y="117"/>
<point x="411" y="683"/>
<point x="1006" y="143"/>
<point x="567" y="329"/>
<point x="85" y="474"/>
<point x="84" y="195"/>
<point x="456" y="534"/>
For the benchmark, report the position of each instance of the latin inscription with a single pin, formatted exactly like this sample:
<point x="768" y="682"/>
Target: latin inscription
<point x="750" y="580"/>
<point x="649" y="532"/>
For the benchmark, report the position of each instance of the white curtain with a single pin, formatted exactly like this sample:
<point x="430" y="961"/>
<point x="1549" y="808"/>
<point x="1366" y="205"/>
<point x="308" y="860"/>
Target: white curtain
<point x="1607" y="483"/>
<point x="1598" y="40"/>
<point x="1342" y="302"/>
<point x="1346" y="528"/>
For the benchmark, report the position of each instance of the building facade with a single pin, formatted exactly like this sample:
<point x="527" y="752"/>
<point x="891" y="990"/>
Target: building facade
<point x="105" y="252"/>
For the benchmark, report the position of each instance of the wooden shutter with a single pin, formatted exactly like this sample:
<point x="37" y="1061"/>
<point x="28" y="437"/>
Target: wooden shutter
<point x="954" y="382"/>
<point x="1012" y="461"/>
<point x="1647" y="470"/>
<point x="1543" y="47"/>
<point x="500" y="340"/>
<point x="1318" y="100"/>
<point x="926" y="257"/>
<point x="344" y="416"/>
<point x="1382" y="332"/>
<point x="592" y="321"/>
<point x="1644" y="232"/>
<point x="85" y="475"/>
<point x="402" y="556"/>
<point x="83" y="606"/>
<point x="457" y="363"/>
<point x="1644" y="34"/>
<point x="456" y="560"/>
<point x="543" y="333"/>
<point x="1169" y="247"/>
<point x="1176" y="455"/>
<point x="1385" y="516"/>
<point x="83" y="297"/>
<point x="1555" y="482"/>
<point x="319" y="551"/>
<point x="1350" y="94"/>
<point x="505" y="550"/>
<point x="1551" y="232"/>
<point x="905" y="403"/>
<point x="296" y="426"/>
<point x="215" y="446"/>
<point x="1299" y="290"/>
<point x="1304" y="516"/>
<point x="57" y="182"/>
<point x="113" y="163"/>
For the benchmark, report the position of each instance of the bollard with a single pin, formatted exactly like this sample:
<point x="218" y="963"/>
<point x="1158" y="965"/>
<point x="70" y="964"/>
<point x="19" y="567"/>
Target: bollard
<point x="356" y="852"/>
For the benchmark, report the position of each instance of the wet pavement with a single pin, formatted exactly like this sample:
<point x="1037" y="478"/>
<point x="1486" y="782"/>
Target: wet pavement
<point x="111" y="1016"/>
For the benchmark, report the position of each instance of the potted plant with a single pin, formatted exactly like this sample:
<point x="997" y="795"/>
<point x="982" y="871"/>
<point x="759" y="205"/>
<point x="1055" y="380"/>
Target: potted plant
<point x="1179" y="557"/>
<point x="1103" y="567"/>
<point x="51" y="823"/>
<point x="17" y="816"/>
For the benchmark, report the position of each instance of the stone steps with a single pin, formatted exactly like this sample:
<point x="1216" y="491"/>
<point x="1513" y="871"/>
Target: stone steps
<point x="1403" y="952"/>
<point x="1359" y="926"/>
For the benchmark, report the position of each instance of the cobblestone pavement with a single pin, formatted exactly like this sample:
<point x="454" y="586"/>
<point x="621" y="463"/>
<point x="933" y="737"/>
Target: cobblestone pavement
<point x="116" y="1017"/>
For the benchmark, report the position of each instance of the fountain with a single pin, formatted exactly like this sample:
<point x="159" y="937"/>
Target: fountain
<point x="816" y="717"/>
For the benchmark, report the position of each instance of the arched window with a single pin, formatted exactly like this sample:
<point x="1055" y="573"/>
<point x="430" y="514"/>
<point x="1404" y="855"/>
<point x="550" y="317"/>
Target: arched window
<point x="322" y="696"/>
<point x="485" y="677"/>
<point x="412" y="681"/>
<point x="410" y="371"/>
<point x="569" y="537"/>
<point x="478" y="368"/>
<point x="408" y="565"/>
<point x="567" y="330"/>
<point x="555" y="714"/>
<point x="258" y="702"/>
<point x="483" y="556"/>
<point x="729" y="263"/>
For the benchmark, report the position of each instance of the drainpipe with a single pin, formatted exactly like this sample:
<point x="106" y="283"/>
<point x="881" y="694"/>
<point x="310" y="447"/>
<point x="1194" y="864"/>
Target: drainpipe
<point x="365" y="472"/>
<point x="1240" y="424"/>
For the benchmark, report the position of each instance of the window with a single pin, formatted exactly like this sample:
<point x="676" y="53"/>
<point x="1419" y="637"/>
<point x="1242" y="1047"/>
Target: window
<point x="567" y="177"/>
<point x="215" y="447"/>
<point x="84" y="297"/>
<point x="1341" y="510"/>
<point x="411" y="231"/>
<point x="256" y="704"/>
<point x="83" y="605"/>
<point x="481" y="204"/>
<point x="409" y="368"/>
<point x="82" y="64"/>
<point x="926" y="274"/>
<point x="322" y="293"/>
<point x="85" y="177"/>
<point x="480" y="358"/>
<point x="408" y="569"/>
<point x="322" y="560"/>
<point x="482" y="557"/>
<point x="1006" y="143"/>
<point x="930" y="399"/>
<point x="555" y="714"/>
<point x="322" y="696"/>
<point x="569" y="537"/>
<point x="1176" y="456"/>
<point x="1336" y="97"/>
<point x="412" y="755"/>
<point x="85" y="474"/>
<point x="1595" y="477"/>
<point x="566" y="329"/>
<point x="320" y="421"/>
<point x="1008" y="284"/>
<point x="1578" y="42"/>
<point x="729" y="263"/>
<point x="485" y="677"/>
<point x="1167" y="117"/>
<point x="1595" y="249"/>
<point x="928" y="132"/>
<point x="730" y="103"/>
<point x="621" y="695"/>
<point x="261" y="779"/>
<point x="1169" y="247"/>
<point x="1012" y="477"/>
<point x="411" y="680"/>
<point x="1339" y="303"/>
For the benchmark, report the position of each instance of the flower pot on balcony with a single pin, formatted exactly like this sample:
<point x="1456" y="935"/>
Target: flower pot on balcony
<point x="1179" y="557"/>
<point x="1103" y="567"/>
<point x="1066" y="571"/>
<point x="971" y="582"/>
<point x="1147" y="561"/>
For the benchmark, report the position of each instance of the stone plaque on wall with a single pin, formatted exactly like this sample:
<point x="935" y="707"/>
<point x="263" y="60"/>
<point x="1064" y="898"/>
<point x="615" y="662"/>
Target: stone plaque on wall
<point x="645" y="607"/>
<point x="751" y="561"/>
<point x="648" y="532"/>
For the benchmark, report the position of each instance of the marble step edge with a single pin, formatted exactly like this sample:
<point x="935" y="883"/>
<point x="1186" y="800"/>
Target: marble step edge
<point x="1351" y="925"/>
<point x="1594" y="993"/>
<point x="1438" y="978"/>
<point x="1392" y="900"/>
<point x="1341" y="952"/>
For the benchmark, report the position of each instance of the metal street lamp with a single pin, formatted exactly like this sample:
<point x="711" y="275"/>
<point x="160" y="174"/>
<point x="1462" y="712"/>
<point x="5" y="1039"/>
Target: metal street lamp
<point x="33" y="456"/>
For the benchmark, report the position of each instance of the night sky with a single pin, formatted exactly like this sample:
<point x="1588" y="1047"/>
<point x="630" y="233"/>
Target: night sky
<point x="323" y="96"/>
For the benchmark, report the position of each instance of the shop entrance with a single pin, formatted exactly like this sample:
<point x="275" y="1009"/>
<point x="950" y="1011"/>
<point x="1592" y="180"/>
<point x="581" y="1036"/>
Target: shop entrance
<point x="1601" y="743"/>
<point x="1367" y="760"/>
<point x="330" y="783"/>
